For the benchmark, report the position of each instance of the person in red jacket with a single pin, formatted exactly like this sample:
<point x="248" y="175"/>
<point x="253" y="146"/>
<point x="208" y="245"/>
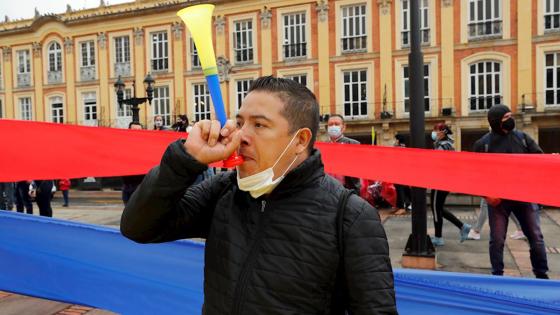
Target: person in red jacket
<point x="64" y="186"/>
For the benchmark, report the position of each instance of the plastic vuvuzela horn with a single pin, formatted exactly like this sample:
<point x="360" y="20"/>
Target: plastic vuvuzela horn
<point x="198" y="19"/>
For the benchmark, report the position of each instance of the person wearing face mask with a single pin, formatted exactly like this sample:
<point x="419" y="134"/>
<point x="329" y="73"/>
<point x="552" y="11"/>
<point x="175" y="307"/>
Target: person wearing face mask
<point x="441" y="135"/>
<point x="504" y="138"/>
<point x="158" y="123"/>
<point x="335" y="129"/>
<point x="270" y="224"/>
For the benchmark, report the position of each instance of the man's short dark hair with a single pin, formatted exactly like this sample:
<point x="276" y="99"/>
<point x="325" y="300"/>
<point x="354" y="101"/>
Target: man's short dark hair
<point x="135" y="123"/>
<point x="337" y="115"/>
<point x="301" y="109"/>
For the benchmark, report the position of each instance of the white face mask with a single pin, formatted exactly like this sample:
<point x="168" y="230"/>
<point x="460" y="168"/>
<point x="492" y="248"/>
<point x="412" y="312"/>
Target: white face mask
<point x="263" y="182"/>
<point x="334" y="131"/>
<point x="159" y="123"/>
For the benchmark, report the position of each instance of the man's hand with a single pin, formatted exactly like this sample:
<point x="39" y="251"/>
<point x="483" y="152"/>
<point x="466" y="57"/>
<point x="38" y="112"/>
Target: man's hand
<point x="207" y="143"/>
<point x="494" y="202"/>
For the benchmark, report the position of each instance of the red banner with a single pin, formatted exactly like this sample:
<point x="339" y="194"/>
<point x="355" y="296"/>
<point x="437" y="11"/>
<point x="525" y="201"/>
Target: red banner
<point x="35" y="150"/>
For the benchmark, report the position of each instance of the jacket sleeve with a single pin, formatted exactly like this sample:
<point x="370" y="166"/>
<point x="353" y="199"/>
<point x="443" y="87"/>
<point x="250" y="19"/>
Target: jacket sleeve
<point x="532" y="146"/>
<point x="166" y="206"/>
<point x="368" y="271"/>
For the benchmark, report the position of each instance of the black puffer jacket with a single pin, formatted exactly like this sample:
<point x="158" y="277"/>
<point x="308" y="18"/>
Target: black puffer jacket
<point x="273" y="255"/>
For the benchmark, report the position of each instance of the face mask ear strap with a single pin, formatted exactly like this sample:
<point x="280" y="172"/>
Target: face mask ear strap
<point x="285" y="149"/>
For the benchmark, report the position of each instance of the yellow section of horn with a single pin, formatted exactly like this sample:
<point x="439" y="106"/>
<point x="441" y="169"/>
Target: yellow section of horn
<point x="198" y="19"/>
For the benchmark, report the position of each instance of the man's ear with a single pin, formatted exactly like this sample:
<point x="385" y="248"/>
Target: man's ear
<point x="303" y="139"/>
<point x="343" y="128"/>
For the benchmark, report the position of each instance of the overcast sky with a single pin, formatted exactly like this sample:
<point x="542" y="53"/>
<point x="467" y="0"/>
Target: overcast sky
<point x="17" y="9"/>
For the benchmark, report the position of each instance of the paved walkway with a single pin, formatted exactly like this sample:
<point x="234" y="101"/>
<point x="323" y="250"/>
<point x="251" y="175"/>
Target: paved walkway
<point x="105" y="208"/>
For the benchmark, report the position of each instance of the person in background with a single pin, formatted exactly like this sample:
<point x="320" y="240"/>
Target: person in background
<point x="22" y="197"/>
<point x="130" y="183"/>
<point x="44" y="196"/>
<point x="504" y="138"/>
<point x="443" y="141"/>
<point x="6" y="196"/>
<point x="404" y="198"/>
<point x="335" y="129"/>
<point x="64" y="186"/>
<point x="158" y="123"/>
<point x="474" y="233"/>
<point x="181" y="124"/>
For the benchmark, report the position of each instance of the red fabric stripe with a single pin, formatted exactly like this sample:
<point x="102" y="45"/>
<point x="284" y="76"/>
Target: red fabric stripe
<point x="35" y="150"/>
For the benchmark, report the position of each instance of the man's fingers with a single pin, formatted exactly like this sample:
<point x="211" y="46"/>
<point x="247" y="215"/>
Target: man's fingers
<point x="204" y="129"/>
<point x="229" y="127"/>
<point x="234" y="143"/>
<point x="214" y="133"/>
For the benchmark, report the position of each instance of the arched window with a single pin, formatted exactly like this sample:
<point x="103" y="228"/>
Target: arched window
<point x="55" y="57"/>
<point x="485" y="85"/>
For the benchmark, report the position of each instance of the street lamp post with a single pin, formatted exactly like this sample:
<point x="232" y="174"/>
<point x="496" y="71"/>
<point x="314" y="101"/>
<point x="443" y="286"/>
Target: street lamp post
<point x="135" y="101"/>
<point x="419" y="251"/>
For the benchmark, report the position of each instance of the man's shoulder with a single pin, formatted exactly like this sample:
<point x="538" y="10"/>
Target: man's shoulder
<point x="348" y="140"/>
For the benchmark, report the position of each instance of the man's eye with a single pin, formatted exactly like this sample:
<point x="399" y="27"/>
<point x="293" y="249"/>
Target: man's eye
<point x="239" y="125"/>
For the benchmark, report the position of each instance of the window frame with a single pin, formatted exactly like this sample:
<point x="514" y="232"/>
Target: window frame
<point x="495" y="22"/>
<point x="159" y="55"/>
<point x="55" y="57"/>
<point x="241" y="94"/>
<point x="24" y="61"/>
<point x="91" y="104"/>
<point x="87" y="51"/>
<point x="25" y="108"/>
<point x="555" y="88"/>
<point x="249" y="50"/>
<point x="554" y="15"/>
<point x="122" y="48"/>
<point x="206" y="112"/>
<point x="427" y="90"/>
<point x="354" y="39"/>
<point x="293" y="30"/>
<point x="162" y="104"/>
<point x="425" y="31"/>
<point x="361" y="84"/>
<point x="485" y="96"/>
<point x="57" y="115"/>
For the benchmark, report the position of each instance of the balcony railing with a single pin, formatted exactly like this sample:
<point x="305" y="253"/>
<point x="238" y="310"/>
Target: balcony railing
<point x="424" y="36"/>
<point x="122" y="69"/>
<point x="87" y="73"/>
<point x="295" y="50"/>
<point x="354" y="44"/>
<point x="23" y="79"/>
<point x="54" y="77"/>
<point x="485" y="30"/>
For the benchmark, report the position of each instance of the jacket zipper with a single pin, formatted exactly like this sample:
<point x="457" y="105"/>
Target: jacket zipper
<point x="251" y="258"/>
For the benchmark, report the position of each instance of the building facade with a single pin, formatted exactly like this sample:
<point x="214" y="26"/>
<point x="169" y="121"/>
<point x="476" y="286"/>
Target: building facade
<point x="352" y="54"/>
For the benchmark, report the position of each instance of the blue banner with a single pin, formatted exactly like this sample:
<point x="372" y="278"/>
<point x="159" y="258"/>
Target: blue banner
<point x="96" y="266"/>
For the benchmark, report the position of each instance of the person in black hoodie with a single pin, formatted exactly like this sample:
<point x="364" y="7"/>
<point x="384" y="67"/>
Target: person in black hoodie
<point x="443" y="141"/>
<point x="504" y="138"/>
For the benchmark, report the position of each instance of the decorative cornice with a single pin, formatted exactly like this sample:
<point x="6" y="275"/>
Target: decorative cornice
<point x="7" y="52"/>
<point x="322" y="9"/>
<point x="36" y="49"/>
<point x="68" y="44"/>
<point x="219" y="23"/>
<point x="177" y="28"/>
<point x="138" y="35"/>
<point x="102" y="40"/>
<point x="266" y="15"/>
<point x="384" y="6"/>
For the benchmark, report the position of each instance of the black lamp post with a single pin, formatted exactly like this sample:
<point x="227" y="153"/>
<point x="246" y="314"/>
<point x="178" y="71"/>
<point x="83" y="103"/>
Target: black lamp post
<point x="135" y="101"/>
<point x="419" y="246"/>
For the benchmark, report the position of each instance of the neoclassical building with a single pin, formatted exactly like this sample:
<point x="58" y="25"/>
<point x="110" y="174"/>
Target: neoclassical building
<point x="352" y="54"/>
